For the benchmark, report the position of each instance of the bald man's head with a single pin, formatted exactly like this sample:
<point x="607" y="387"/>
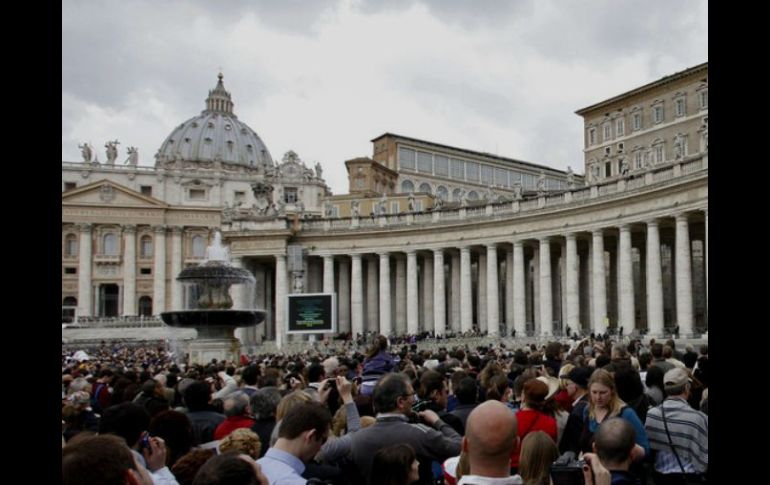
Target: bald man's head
<point x="614" y="440"/>
<point x="490" y="431"/>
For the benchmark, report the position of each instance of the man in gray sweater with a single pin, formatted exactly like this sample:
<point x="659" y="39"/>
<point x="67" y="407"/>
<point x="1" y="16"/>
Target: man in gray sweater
<point x="393" y="399"/>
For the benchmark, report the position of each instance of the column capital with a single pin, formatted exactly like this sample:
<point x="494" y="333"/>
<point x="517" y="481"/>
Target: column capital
<point x="177" y="230"/>
<point x="598" y="232"/>
<point x="571" y="235"/>
<point x="85" y="227"/>
<point x="682" y="217"/>
<point x="128" y="228"/>
<point x="625" y="228"/>
<point x="491" y="246"/>
<point x="327" y="256"/>
<point x="411" y="252"/>
<point x="438" y="251"/>
<point x="465" y="249"/>
<point x="280" y="257"/>
<point x="544" y="239"/>
<point x="652" y="223"/>
<point x="384" y="254"/>
<point x="159" y="229"/>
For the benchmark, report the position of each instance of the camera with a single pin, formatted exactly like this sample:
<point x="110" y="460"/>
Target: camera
<point x="566" y="470"/>
<point x="420" y="406"/>
<point x="145" y="442"/>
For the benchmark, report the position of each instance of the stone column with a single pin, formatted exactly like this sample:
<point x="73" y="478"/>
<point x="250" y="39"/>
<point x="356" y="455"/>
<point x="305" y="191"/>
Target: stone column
<point x="439" y="301"/>
<point x="493" y="297"/>
<point x="573" y="300"/>
<point x="328" y="273"/>
<point x="654" y="279"/>
<point x="508" y="292"/>
<point x="427" y="293"/>
<point x="627" y="309"/>
<point x="706" y="244"/>
<point x="386" y="322"/>
<point x="466" y="308"/>
<point x="684" y="310"/>
<point x="411" y="293"/>
<point x="599" y="283"/>
<point x="176" y="267"/>
<point x="546" y="305"/>
<point x="454" y="318"/>
<point x="85" y="292"/>
<point x="481" y="297"/>
<point x="129" y="270"/>
<point x="159" y="271"/>
<point x="281" y="290"/>
<point x="519" y="300"/>
<point x="400" y="295"/>
<point x="372" y="296"/>
<point x="344" y="296"/>
<point x="237" y="291"/>
<point x="535" y="262"/>
<point x="260" y="300"/>
<point x="356" y="297"/>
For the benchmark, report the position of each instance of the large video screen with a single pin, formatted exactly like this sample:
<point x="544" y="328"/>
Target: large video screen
<point x="312" y="313"/>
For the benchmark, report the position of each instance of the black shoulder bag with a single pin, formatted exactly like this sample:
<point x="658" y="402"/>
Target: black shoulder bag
<point x="688" y="478"/>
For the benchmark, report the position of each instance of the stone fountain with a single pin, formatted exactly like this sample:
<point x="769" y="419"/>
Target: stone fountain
<point x="209" y="305"/>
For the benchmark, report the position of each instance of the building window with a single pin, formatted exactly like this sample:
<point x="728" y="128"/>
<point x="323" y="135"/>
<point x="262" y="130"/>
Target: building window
<point x="458" y="169"/>
<point x="110" y="244"/>
<point x="607" y="131"/>
<point x="70" y="271"/>
<point x="418" y="206"/>
<point x="638" y="160"/>
<point x="472" y="171"/>
<point x="657" y="113"/>
<point x="592" y="136"/>
<point x="425" y="187"/>
<point x="198" y="247"/>
<point x="70" y="245"/>
<point x="145" y="271"/>
<point x="335" y="211"/>
<point x="680" y="146"/>
<point x="407" y="186"/>
<point x="424" y="162"/>
<point x="394" y="207"/>
<point x="620" y="127"/>
<point x="659" y="154"/>
<point x="145" y="247"/>
<point x="290" y="195"/>
<point x="406" y="158"/>
<point x="680" y="106"/>
<point x="487" y="174"/>
<point x="473" y="195"/>
<point x="637" y="121"/>
<point x="608" y="169"/>
<point x="442" y="192"/>
<point x="197" y="194"/>
<point x="146" y="190"/>
<point x="703" y="98"/>
<point x="456" y="193"/>
<point x="239" y="197"/>
<point x="608" y="150"/>
<point x="70" y="186"/>
<point x="621" y="147"/>
<point x="441" y="165"/>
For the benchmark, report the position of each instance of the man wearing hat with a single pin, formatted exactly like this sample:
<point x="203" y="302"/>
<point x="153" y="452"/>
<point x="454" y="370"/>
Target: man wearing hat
<point x="675" y="423"/>
<point x="577" y="388"/>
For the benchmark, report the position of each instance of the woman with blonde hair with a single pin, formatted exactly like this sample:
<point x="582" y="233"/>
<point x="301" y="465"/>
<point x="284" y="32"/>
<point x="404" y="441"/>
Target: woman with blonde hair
<point x="538" y="452"/>
<point x="604" y="403"/>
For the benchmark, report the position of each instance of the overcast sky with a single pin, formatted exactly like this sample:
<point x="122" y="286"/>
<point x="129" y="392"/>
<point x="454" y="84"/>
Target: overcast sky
<point x="324" y="77"/>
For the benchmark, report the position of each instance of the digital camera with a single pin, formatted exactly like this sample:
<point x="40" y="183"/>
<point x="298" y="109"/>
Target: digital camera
<point x="566" y="470"/>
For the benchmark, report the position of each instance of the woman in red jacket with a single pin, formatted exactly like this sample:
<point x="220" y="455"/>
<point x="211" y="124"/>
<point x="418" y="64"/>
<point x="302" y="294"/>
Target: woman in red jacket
<point x="532" y="418"/>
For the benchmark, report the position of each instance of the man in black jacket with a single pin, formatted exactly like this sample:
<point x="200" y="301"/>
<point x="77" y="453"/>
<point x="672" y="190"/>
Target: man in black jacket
<point x="393" y="399"/>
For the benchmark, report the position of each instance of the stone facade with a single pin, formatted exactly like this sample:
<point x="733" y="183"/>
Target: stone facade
<point x="548" y="256"/>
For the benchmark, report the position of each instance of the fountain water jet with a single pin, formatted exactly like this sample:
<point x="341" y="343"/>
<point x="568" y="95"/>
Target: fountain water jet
<point x="208" y="307"/>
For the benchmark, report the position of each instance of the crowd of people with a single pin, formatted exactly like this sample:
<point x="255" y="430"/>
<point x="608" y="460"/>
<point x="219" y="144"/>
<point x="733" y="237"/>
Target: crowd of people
<point x="595" y="410"/>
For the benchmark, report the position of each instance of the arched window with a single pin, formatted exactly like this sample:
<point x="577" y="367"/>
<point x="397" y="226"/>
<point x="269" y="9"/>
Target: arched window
<point x="145" y="306"/>
<point x="442" y="192"/>
<point x="70" y="301"/>
<point x="456" y="193"/>
<point x="407" y="186"/>
<point x="198" y="247"/>
<point x="71" y="245"/>
<point x="110" y="244"/>
<point x="145" y="247"/>
<point x="473" y="195"/>
<point x="425" y="187"/>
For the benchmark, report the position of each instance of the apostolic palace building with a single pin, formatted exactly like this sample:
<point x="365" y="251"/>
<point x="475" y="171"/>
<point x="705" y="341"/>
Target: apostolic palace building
<point x="429" y="237"/>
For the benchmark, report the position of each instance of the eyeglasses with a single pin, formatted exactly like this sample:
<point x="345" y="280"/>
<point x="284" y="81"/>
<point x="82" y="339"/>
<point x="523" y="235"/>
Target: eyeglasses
<point x="408" y="395"/>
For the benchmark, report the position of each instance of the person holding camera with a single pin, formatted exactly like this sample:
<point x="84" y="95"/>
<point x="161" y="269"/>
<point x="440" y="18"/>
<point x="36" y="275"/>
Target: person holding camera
<point x="393" y="400"/>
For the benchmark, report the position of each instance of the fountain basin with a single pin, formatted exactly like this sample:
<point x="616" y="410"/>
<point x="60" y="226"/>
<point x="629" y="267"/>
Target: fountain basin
<point x="213" y="318"/>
